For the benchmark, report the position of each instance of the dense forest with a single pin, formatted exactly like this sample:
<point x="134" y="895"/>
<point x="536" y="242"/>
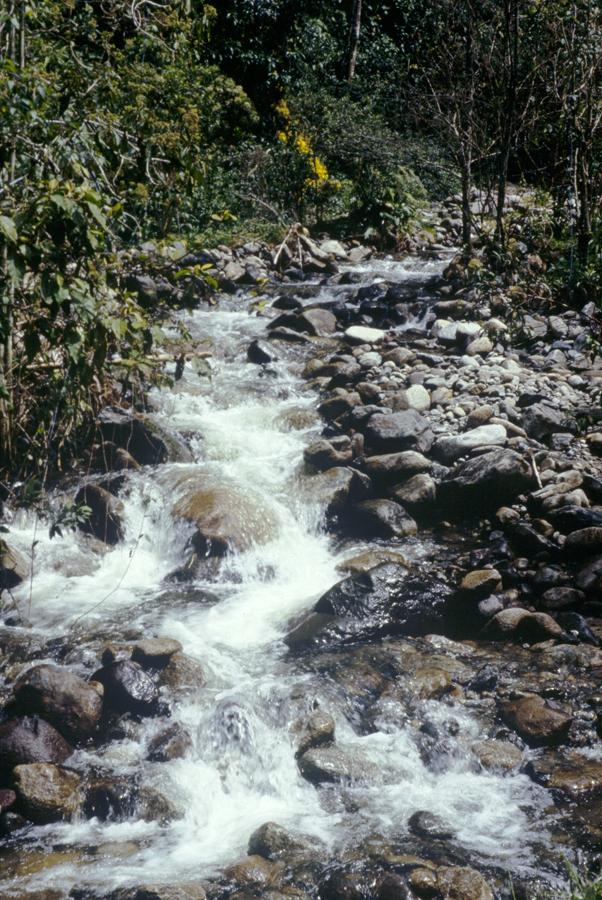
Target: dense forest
<point x="124" y="121"/>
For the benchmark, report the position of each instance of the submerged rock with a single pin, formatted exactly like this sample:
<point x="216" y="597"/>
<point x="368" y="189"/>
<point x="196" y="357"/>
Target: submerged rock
<point x="106" y="513"/>
<point x="331" y="764"/>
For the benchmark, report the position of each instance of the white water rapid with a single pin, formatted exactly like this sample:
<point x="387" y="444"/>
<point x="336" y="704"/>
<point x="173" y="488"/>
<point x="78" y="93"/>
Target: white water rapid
<point x="247" y="430"/>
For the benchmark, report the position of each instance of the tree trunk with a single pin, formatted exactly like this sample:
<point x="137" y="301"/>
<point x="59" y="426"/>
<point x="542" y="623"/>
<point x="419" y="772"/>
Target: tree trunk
<point x="509" y="114"/>
<point x="354" y="38"/>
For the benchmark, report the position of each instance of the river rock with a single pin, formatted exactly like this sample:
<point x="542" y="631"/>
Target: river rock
<point x="570" y="774"/>
<point x="128" y="688"/>
<point x="226" y="519"/>
<point x="584" y="542"/>
<point x="562" y="598"/>
<point x="47" y="793"/>
<point x="106" y="516"/>
<point x="497" y="756"/>
<point x="155" y="653"/>
<point x="369" y="605"/>
<point x="317" y="322"/>
<point x="426" y="824"/>
<point x="390" y="468"/>
<point x="119" y="799"/>
<point x="108" y="457"/>
<point x="456" y="883"/>
<point x="406" y="430"/>
<point x="538" y="723"/>
<point x="183" y="674"/>
<point x="260" y="353"/>
<point x="14" y="568"/>
<point x="540" y="421"/>
<point x="317" y="730"/>
<point x="338" y="487"/>
<point x="31" y="740"/>
<point x="173" y="742"/>
<point x="380" y="519"/>
<point x="253" y="871"/>
<point x="147" y="441"/>
<point x="369" y="559"/>
<point x="360" y="334"/>
<point x="274" y="842"/>
<point x="481" y="583"/>
<point x="450" y="448"/>
<point x="416" y="493"/>
<point x="417" y="397"/>
<point x="485" y="483"/>
<point x="64" y="699"/>
<point x="322" y="765"/>
<point x="523" y="625"/>
<point x="322" y="454"/>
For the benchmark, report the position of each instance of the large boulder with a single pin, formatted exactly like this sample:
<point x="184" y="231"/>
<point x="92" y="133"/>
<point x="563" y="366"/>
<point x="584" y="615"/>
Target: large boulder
<point x="406" y="430"/>
<point x="386" y="600"/>
<point x="390" y="468"/>
<point x="30" y="739"/>
<point x="336" y="764"/>
<point x="226" y="519"/>
<point x="47" y="793"/>
<point x="380" y="518"/>
<point x="485" y="483"/>
<point x="64" y="699"/>
<point x="337" y="487"/>
<point x="147" y="441"/>
<point x="128" y="688"/>
<point x="14" y="568"/>
<point x="105" y="521"/>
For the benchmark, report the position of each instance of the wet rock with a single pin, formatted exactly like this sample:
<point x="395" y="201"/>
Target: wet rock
<point x="323" y="454"/>
<point x="571" y="774"/>
<point x="589" y="578"/>
<point x="538" y="723"/>
<point x="424" y="882"/>
<point x="14" y="568"/>
<point x="317" y="322"/>
<point x="322" y="765"/>
<point x="226" y="519"/>
<point x="406" y="430"/>
<point x="485" y="483"/>
<point x="7" y="799"/>
<point x="449" y="449"/>
<point x="64" y="699"/>
<point x="120" y="799"/>
<point x="253" y="871"/>
<point x="108" y="457"/>
<point x="316" y="731"/>
<point x="559" y="598"/>
<point x="369" y="559"/>
<point x="416" y="493"/>
<point x="391" y="886"/>
<point x="106" y="516"/>
<point x="380" y="519"/>
<point x="147" y="441"/>
<point x="30" y="740"/>
<point x="128" y="688"/>
<point x="160" y="892"/>
<point x="155" y="653"/>
<point x="498" y="756"/>
<point x="260" y="353"/>
<point x="183" y="674"/>
<point x="47" y="793"/>
<point x="427" y="682"/>
<point x="336" y="488"/>
<point x="391" y="468"/>
<point x="383" y="601"/>
<point x="455" y="883"/>
<point x="572" y="518"/>
<point x="11" y="822"/>
<point x="584" y="542"/>
<point x="272" y="841"/>
<point x="428" y="825"/>
<point x="173" y="742"/>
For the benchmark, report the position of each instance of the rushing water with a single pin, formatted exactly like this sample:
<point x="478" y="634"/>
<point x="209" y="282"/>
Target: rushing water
<point x="247" y="429"/>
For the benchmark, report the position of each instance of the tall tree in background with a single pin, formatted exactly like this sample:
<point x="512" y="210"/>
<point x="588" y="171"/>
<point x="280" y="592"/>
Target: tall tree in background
<point x="354" y="38"/>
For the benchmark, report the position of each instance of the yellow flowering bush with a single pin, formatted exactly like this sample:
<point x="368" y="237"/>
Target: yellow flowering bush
<point x="293" y="137"/>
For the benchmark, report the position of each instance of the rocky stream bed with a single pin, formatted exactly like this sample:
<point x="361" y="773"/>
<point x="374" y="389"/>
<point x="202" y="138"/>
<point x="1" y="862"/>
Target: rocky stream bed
<point x="332" y="629"/>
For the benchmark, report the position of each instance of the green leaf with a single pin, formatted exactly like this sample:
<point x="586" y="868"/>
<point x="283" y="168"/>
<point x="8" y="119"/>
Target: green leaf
<point x="8" y="229"/>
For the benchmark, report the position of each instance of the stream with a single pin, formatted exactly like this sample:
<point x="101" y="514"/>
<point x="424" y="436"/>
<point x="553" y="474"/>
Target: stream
<point x="247" y="427"/>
